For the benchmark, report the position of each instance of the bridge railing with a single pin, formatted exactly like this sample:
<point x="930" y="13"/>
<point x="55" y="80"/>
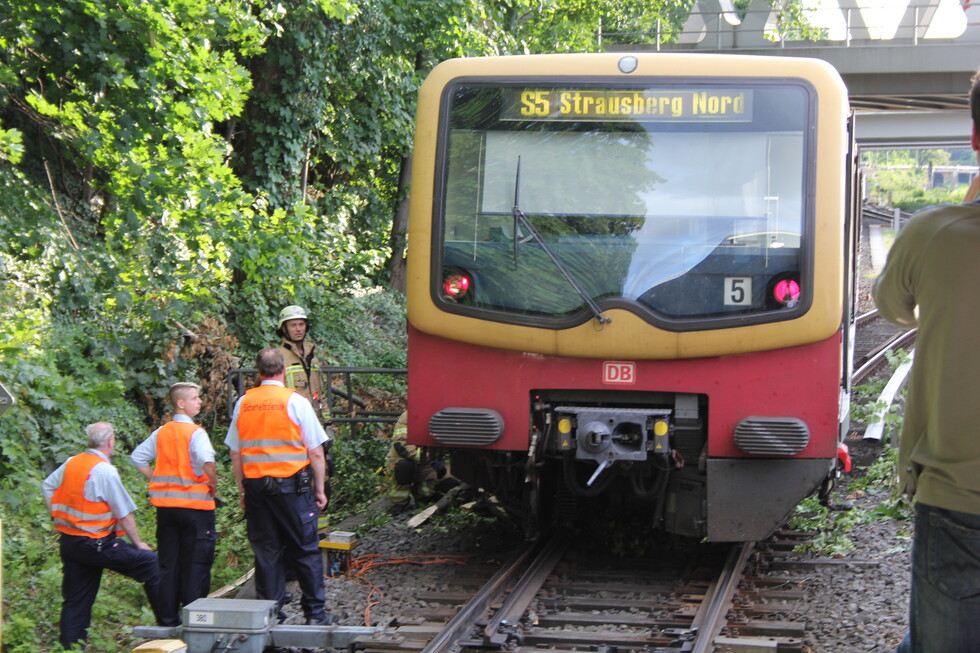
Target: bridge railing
<point x="710" y="25"/>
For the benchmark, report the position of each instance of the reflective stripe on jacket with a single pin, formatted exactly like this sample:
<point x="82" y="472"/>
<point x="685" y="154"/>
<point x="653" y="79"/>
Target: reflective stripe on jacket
<point x="303" y="374"/>
<point x="174" y="483"/>
<point x="270" y="442"/>
<point x="73" y="513"/>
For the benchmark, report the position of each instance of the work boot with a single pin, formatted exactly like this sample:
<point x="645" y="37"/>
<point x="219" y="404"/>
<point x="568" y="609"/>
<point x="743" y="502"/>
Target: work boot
<point x="321" y="620"/>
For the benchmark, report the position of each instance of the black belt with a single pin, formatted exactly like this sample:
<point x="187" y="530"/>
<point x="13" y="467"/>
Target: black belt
<point x="298" y="482"/>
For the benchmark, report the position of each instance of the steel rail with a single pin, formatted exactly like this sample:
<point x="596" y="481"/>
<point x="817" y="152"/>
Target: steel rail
<point x="496" y="634"/>
<point x="463" y="625"/>
<point x="712" y="613"/>
<point x="866" y="317"/>
<point x="865" y="370"/>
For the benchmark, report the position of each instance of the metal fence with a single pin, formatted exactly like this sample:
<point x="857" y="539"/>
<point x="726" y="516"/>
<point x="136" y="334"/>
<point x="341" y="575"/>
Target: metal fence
<point x="341" y="403"/>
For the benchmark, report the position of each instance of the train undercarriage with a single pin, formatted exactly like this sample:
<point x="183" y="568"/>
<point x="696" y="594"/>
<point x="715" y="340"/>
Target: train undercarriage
<point x="645" y="453"/>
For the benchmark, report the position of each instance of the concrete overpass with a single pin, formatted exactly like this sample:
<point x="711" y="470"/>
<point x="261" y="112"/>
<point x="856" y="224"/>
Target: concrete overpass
<point x="907" y="81"/>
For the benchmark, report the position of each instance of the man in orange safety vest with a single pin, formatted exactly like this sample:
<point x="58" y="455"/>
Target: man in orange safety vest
<point x="91" y="509"/>
<point x="276" y="444"/>
<point x="182" y="487"/>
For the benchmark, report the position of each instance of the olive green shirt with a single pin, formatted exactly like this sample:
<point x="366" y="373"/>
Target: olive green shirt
<point x="932" y="280"/>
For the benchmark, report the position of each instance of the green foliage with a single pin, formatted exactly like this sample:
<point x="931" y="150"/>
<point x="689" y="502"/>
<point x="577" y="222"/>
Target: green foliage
<point x="831" y="526"/>
<point x="456" y="520"/>
<point x="901" y="178"/>
<point x="366" y="329"/>
<point x="865" y="403"/>
<point x="58" y="390"/>
<point x="11" y="147"/>
<point x="881" y="478"/>
<point x="356" y="482"/>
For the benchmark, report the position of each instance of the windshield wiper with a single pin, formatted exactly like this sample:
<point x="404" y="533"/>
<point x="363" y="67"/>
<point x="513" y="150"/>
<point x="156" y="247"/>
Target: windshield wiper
<point x="521" y="219"/>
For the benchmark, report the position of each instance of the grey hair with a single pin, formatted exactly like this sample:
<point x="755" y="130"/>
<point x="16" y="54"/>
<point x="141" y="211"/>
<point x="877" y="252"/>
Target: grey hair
<point x="99" y="433"/>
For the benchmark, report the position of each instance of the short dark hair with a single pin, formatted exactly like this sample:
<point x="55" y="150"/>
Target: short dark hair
<point x="270" y="362"/>
<point x="975" y="99"/>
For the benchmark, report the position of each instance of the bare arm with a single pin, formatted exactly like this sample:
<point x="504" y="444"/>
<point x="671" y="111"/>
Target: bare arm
<point x="318" y="463"/>
<point x="236" y="465"/>
<point x="212" y="473"/>
<point x="128" y="524"/>
<point x="146" y="471"/>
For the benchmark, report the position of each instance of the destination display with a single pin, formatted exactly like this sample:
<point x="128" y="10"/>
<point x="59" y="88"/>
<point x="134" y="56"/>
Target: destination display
<point x="678" y="105"/>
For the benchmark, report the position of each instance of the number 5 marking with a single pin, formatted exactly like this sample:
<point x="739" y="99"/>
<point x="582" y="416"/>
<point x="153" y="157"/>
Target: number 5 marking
<point x="738" y="291"/>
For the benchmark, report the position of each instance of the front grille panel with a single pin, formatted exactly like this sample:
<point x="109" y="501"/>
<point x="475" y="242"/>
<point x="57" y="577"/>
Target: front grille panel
<point x="772" y="436"/>
<point x="466" y="426"/>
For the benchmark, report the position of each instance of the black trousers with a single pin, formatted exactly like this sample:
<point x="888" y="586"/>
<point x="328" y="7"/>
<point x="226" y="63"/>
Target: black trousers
<point x="280" y="528"/>
<point x="83" y="560"/>
<point x="185" y="546"/>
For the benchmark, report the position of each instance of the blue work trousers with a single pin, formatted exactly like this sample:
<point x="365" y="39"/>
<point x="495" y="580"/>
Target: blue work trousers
<point x="185" y="545"/>
<point x="83" y="559"/>
<point x="282" y="530"/>
<point x="944" y="609"/>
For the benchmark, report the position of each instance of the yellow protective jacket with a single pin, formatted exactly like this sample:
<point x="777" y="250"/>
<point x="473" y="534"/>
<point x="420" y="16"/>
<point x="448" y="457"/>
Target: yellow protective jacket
<point x="303" y="373"/>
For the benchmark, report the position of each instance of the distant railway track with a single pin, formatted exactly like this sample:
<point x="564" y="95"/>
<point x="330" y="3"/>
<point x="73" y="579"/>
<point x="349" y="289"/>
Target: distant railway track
<point x="875" y="338"/>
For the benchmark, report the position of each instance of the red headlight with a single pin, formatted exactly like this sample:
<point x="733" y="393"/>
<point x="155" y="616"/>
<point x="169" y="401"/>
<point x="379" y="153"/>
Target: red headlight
<point x="455" y="286"/>
<point x="787" y="292"/>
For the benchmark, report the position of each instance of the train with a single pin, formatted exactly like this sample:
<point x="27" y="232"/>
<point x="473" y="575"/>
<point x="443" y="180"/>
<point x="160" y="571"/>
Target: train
<point x="630" y="285"/>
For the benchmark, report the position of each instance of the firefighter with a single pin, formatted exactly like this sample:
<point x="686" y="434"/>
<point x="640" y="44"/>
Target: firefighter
<point x="303" y="372"/>
<point x="183" y="483"/>
<point x="413" y="478"/>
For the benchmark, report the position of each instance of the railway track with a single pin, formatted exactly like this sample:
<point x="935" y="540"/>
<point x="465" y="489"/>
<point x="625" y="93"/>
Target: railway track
<point x="875" y="338"/>
<point x="698" y="598"/>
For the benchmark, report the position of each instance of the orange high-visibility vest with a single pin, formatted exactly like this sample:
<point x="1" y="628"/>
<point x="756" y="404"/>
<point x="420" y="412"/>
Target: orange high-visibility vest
<point x="73" y="513"/>
<point x="271" y="444"/>
<point x="174" y="483"/>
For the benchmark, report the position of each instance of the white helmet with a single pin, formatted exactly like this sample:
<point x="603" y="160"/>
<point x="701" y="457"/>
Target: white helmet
<point x="292" y="313"/>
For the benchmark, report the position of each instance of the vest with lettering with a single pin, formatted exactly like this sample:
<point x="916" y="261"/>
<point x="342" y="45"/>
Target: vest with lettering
<point x="174" y="483"/>
<point x="73" y="513"/>
<point x="270" y="443"/>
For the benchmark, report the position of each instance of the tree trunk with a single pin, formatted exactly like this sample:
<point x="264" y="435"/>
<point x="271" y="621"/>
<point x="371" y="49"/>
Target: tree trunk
<point x="396" y="265"/>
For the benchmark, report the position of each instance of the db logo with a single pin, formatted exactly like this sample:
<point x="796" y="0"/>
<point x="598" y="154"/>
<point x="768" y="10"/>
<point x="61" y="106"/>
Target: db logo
<point x="618" y="372"/>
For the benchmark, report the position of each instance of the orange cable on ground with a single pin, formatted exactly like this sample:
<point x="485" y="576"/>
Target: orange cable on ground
<point x="357" y="569"/>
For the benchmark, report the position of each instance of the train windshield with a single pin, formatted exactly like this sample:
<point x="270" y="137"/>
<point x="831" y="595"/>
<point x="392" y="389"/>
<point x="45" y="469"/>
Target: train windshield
<point x="686" y="204"/>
